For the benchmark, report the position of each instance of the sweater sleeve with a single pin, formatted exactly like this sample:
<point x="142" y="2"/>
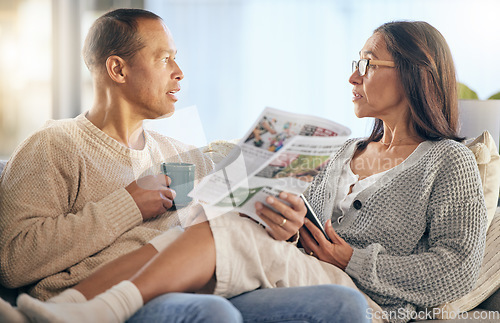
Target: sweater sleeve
<point x="39" y="235"/>
<point x="445" y="265"/>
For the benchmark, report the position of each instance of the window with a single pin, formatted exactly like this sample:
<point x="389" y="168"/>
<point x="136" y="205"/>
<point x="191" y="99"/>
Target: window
<point x="42" y="74"/>
<point x="25" y="70"/>
<point x="238" y="56"/>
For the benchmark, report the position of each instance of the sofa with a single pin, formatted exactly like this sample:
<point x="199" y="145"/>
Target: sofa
<point x="482" y="304"/>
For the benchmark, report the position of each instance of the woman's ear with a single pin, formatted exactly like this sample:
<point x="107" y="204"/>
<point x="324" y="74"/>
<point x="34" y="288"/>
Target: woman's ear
<point x="115" y="66"/>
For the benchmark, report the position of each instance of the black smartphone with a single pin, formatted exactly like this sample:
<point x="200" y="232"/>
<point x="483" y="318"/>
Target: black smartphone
<point x="313" y="217"/>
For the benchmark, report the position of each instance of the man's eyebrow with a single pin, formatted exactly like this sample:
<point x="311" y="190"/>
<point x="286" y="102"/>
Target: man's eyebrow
<point x="161" y="52"/>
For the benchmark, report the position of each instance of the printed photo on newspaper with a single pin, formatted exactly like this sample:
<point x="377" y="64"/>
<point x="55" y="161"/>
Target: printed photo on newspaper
<point x="282" y="151"/>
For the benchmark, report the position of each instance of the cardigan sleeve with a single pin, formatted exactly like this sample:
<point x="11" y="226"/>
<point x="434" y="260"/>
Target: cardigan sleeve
<point x="38" y="233"/>
<point x="446" y="264"/>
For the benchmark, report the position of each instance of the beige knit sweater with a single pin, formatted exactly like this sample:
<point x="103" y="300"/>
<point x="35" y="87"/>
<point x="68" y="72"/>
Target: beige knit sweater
<point x="64" y="210"/>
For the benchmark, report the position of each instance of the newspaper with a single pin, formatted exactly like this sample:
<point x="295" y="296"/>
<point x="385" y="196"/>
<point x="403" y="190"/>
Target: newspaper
<point x="282" y="151"/>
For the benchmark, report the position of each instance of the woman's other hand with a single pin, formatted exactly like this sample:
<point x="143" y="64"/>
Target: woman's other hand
<point x="286" y="222"/>
<point x="338" y="252"/>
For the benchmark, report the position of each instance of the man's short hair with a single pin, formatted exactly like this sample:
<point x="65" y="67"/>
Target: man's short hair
<point x="114" y="33"/>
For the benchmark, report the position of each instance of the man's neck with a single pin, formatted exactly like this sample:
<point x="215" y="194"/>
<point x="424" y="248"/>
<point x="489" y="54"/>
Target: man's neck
<point x="119" y="125"/>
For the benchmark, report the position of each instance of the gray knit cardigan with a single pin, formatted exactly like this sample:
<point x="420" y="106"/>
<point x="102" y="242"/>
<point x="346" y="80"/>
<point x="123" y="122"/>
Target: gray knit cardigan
<point x="418" y="233"/>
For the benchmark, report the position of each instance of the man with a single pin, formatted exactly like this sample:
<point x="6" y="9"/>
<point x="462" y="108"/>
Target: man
<point x="82" y="192"/>
<point x="70" y="190"/>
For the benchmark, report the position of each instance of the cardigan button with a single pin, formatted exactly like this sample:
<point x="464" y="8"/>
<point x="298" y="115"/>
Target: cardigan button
<point x="357" y="204"/>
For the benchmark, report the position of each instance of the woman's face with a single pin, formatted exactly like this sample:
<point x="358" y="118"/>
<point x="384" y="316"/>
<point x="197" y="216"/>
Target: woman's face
<point x="378" y="93"/>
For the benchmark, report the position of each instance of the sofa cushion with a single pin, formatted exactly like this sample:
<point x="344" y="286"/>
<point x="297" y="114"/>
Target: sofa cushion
<point x="488" y="162"/>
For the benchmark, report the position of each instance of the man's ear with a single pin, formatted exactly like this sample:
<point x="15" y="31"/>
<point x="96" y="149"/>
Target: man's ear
<point x="115" y="66"/>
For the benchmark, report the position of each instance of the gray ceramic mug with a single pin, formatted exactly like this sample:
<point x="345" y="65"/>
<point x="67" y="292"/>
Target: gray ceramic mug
<point x="182" y="176"/>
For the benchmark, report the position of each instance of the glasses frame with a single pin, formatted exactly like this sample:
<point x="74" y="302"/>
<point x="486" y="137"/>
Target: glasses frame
<point x="370" y="62"/>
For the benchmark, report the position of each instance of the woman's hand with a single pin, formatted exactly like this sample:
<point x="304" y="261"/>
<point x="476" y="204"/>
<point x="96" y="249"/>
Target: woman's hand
<point x="338" y="252"/>
<point x="287" y="222"/>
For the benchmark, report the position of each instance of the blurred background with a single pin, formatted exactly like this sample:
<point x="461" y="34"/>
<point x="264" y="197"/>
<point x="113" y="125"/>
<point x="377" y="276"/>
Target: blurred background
<point x="238" y="56"/>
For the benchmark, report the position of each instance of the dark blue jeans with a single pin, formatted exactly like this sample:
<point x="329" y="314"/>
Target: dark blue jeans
<point x="314" y="304"/>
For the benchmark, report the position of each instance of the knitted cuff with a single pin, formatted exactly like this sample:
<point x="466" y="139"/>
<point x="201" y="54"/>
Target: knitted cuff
<point x="355" y="266"/>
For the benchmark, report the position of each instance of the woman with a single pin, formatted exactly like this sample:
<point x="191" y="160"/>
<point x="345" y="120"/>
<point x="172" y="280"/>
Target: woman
<point x="406" y="203"/>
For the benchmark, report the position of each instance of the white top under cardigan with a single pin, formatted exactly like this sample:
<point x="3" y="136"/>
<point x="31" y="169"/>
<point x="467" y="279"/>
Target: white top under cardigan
<point x="344" y="199"/>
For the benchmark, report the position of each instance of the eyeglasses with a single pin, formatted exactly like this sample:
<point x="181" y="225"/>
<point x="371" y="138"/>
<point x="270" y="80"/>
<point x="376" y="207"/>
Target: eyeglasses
<point x="363" y="64"/>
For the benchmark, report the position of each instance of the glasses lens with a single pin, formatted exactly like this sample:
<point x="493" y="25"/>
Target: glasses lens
<point x="354" y="66"/>
<point x="362" y="66"/>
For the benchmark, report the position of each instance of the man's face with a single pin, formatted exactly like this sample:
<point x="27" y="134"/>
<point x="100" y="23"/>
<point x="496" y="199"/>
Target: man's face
<point x="154" y="76"/>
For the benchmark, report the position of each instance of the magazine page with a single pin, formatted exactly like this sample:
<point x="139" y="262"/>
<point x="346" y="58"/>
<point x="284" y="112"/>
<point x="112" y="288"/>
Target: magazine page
<point x="290" y="170"/>
<point x="273" y="130"/>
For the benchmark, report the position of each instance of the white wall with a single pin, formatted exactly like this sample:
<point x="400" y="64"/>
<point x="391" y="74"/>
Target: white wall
<point x="239" y="56"/>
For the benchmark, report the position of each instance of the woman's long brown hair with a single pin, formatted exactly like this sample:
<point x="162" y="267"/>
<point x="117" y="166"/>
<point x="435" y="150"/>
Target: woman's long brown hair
<point x="427" y="74"/>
